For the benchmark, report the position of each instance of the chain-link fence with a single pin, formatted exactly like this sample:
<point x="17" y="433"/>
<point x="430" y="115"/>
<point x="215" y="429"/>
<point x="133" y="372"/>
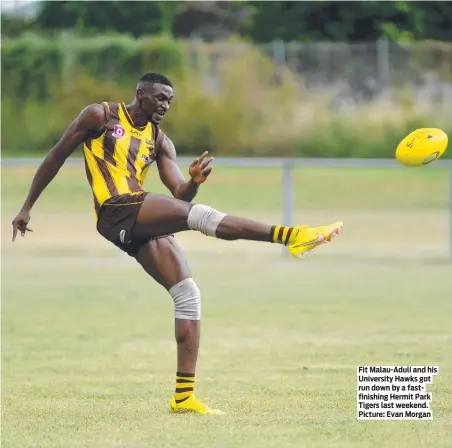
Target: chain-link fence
<point x="359" y="72"/>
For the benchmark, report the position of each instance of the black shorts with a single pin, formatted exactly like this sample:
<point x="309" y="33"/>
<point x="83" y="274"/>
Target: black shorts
<point x="116" y="220"/>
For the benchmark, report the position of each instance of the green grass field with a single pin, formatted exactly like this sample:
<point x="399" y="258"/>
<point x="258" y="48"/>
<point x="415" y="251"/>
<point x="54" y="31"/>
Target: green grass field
<point x="88" y="357"/>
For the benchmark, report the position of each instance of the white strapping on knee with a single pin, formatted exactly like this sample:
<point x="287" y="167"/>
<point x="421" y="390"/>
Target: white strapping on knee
<point x="205" y="219"/>
<point x="187" y="300"/>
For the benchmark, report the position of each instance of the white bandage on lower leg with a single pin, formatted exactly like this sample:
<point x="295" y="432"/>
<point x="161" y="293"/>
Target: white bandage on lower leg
<point x="187" y="300"/>
<point x="205" y="219"/>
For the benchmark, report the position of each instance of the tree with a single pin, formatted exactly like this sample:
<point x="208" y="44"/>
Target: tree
<point x="349" y="21"/>
<point x="181" y="18"/>
<point x="259" y="21"/>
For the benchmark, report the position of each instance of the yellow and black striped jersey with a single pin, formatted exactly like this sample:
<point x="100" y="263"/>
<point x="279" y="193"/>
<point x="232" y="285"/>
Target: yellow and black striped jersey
<point x="118" y="159"/>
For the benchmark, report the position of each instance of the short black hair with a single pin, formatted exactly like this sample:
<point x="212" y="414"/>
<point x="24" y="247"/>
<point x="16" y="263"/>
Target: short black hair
<point x="156" y="78"/>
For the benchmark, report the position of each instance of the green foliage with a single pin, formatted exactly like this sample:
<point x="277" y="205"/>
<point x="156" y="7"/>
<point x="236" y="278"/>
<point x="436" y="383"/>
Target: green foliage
<point x="29" y="67"/>
<point x="115" y="57"/>
<point x="355" y="137"/>
<point x="32" y="64"/>
<point x="258" y="21"/>
<point x="47" y="83"/>
<point x="349" y="21"/>
<point x="161" y="54"/>
<point x="136" y="18"/>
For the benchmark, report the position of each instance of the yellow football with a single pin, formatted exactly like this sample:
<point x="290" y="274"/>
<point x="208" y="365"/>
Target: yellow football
<point x="421" y="147"/>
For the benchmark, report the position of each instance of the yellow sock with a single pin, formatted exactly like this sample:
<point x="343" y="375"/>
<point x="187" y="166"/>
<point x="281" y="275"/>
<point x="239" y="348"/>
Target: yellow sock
<point x="185" y="386"/>
<point x="283" y="235"/>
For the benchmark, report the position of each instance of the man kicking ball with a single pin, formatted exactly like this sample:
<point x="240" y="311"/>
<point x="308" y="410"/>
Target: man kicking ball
<point x="120" y="143"/>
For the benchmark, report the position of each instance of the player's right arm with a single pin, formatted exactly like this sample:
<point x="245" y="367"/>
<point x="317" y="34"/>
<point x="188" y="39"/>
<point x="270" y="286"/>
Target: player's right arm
<point x="91" y="118"/>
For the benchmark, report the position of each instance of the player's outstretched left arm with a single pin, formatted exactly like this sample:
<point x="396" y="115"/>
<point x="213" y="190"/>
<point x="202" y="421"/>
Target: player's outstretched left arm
<point x="91" y="118"/>
<point x="172" y="176"/>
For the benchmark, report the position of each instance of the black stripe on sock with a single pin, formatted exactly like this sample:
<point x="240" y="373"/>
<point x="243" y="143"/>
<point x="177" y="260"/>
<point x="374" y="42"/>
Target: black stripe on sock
<point x="288" y="235"/>
<point x="182" y="380"/>
<point x="188" y="375"/>
<point x="184" y="389"/>
<point x="280" y="234"/>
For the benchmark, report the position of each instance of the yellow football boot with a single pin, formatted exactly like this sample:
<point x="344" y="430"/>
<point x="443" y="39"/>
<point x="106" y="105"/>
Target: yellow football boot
<point x="310" y="237"/>
<point x="192" y="405"/>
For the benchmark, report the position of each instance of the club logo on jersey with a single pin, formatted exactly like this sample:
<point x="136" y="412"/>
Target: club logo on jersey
<point x="149" y="145"/>
<point x="119" y="132"/>
<point x="147" y="160"/>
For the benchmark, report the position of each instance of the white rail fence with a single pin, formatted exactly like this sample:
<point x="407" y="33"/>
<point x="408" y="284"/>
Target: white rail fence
<point x="287" y="165"/>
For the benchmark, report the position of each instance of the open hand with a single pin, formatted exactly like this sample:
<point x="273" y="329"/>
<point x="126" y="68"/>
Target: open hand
<point x="200" y="169"/>
<point x="20" y="222"/>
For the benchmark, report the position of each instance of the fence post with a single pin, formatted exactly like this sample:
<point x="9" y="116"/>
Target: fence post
<point x="287" y="199"/>
<point x="383" y="63"/>
<point x="450" y="215"/>
<point x="279" y="52"/>
<point x="69" y="58"/>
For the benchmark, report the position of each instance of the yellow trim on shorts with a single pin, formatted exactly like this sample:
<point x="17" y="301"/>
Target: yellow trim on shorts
<point x="123" y="205"/>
